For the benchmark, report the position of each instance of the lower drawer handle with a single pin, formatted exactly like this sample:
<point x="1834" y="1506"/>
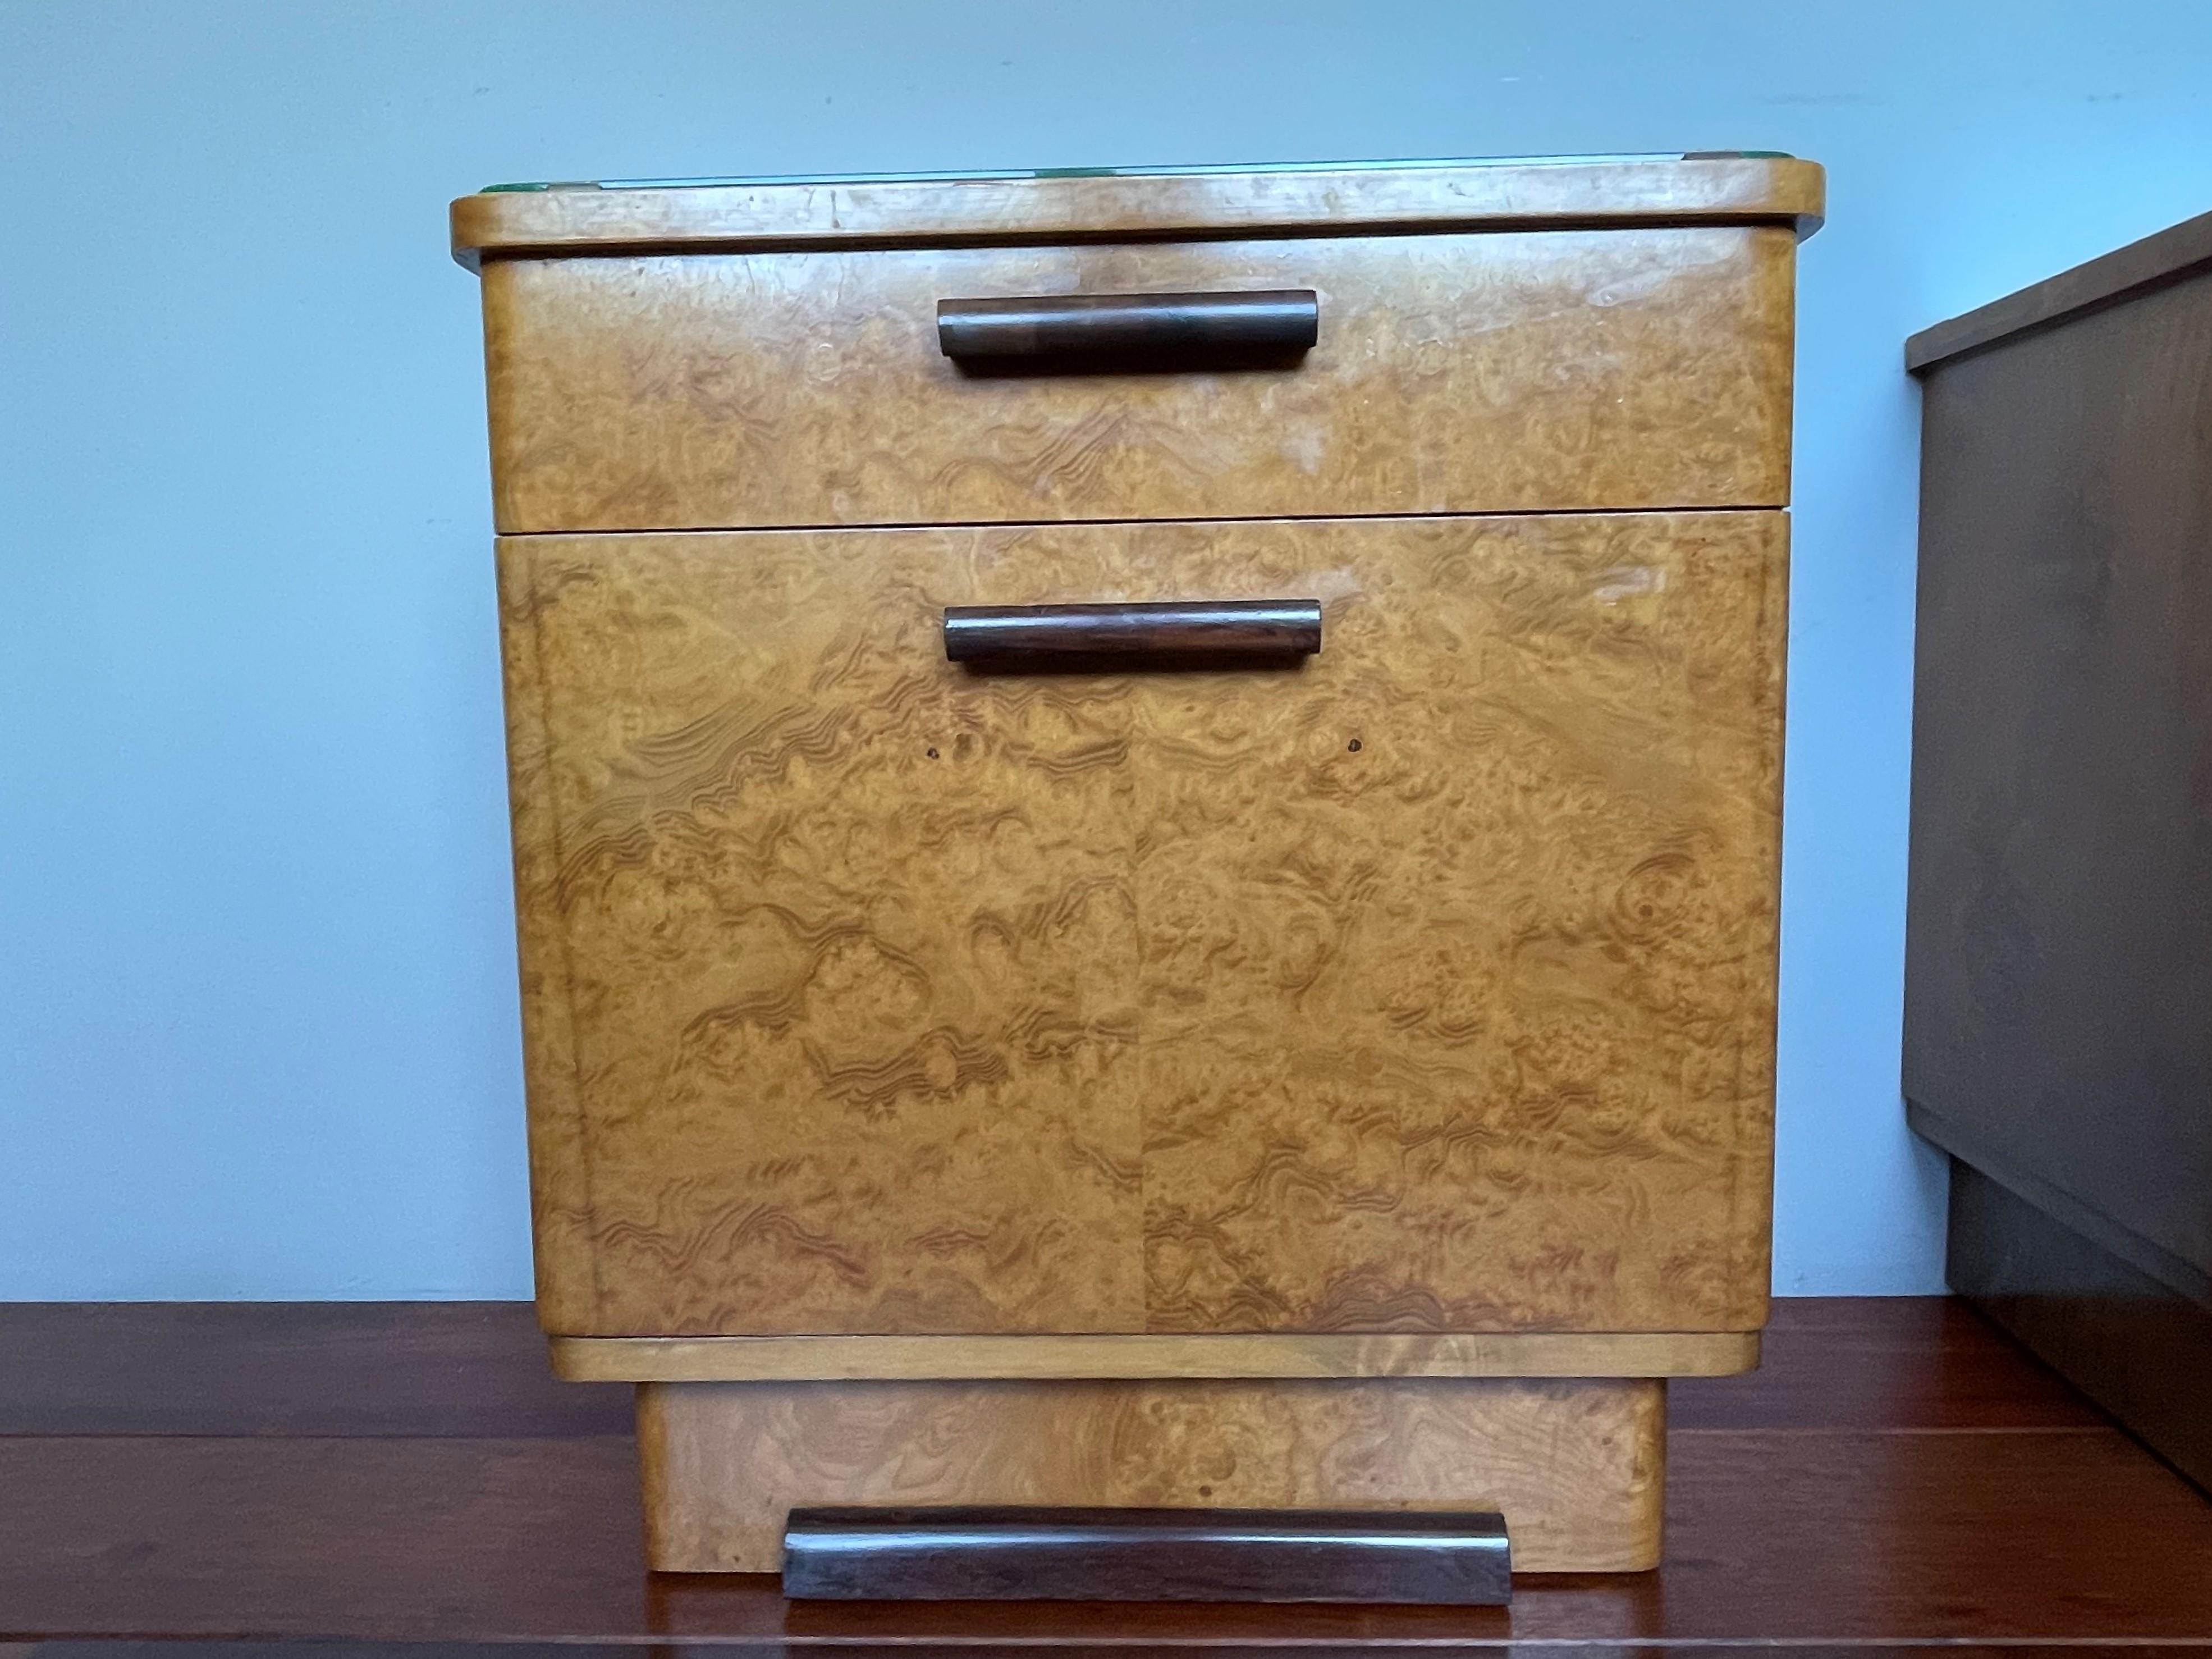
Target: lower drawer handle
<point x="1146" y="326"/>
<point x="1227" y="630"/>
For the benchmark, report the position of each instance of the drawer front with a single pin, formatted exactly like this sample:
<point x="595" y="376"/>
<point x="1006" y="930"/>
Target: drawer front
<point x="1426" y="986"/>
<point x="1489" y="371"/>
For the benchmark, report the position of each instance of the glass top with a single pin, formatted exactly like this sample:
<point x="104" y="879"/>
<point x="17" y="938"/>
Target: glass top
<point x="1138" y="172"/>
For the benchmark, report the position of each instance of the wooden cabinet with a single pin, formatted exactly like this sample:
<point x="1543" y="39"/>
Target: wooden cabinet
<point x="1375" y="1044"/>
<point x="2059" y="942"/>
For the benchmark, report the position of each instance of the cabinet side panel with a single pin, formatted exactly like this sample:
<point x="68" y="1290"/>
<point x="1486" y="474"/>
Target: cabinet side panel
<point x="559" y="1168"/>
<point x="2058" y="953"/>
<point x="1751" y="748"/>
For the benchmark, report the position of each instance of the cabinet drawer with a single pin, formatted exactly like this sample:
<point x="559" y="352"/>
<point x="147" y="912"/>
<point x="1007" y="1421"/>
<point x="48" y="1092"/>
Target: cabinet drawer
<point x="1640" y="366"/>
<point x="1426" y="986"/>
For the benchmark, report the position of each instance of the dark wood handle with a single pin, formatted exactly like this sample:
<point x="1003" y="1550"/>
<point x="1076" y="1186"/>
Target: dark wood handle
<point x="1152" y="325"/>
<point x="990" y="1553"/>
<point x="1228" y="629"/>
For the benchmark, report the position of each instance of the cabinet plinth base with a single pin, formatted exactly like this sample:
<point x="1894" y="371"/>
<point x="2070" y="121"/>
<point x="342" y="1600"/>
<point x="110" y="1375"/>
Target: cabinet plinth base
<point x="1576" y="1467"/>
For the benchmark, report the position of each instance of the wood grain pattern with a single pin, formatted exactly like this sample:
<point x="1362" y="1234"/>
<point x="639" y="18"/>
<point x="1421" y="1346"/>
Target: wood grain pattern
<point x="1321" y="200"/>
<point x="1577" y="1469"/>
<point x="567" y="1277"/>
<point x="1457" y="968"/>
<point x="844" y="936"/>
<point x="1479" y="373"/>
<point x="1427" y="989"/>
<point x="828" y="1358"/>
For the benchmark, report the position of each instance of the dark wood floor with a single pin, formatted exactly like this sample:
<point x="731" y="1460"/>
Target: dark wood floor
<point x="1897" y="1475"/>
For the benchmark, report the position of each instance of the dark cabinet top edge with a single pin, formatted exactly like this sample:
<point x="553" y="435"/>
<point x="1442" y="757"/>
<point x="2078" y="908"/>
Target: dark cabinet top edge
<point x="2153" y="262"/>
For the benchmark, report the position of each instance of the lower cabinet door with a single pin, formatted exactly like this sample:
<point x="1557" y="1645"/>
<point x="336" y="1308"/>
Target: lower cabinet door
<point x="1423" y="984"/>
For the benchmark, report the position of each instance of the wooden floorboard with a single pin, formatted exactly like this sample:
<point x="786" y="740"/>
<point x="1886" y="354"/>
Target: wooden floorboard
<point x="1898" y="1476"/>
<point x="289" y="1367"/>
<point x="1898" y="1363"/>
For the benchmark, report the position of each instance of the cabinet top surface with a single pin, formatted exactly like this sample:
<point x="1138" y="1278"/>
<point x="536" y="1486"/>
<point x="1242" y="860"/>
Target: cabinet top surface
<point x="1111" y="203"/>
<point x="2177" y="252"/>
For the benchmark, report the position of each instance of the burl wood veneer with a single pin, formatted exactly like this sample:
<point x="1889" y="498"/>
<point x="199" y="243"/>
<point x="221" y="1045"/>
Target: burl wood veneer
<point x="1489" y="371"/>
<point x="1426" y="986"/>
<point x="1578" y="1470"/>
<point x="1317" y="1085"/>
<point x="1141" y="205"/>
<point x="1093" y="1356"/>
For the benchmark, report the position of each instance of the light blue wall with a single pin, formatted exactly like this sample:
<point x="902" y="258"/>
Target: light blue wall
<point x="257" y="1014"/>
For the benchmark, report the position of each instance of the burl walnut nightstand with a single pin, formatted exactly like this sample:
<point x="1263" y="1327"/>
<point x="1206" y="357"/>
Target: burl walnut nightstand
<point x="1286" y="1018"/>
